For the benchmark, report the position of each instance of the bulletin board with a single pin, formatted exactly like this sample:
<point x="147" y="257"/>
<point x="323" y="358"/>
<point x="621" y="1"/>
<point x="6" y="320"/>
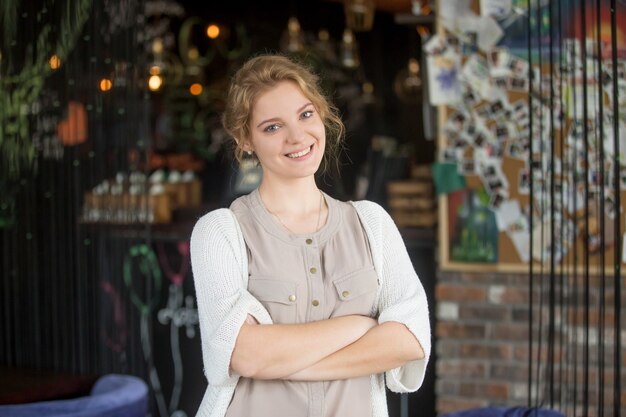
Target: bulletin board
<point x="485" y="139"/>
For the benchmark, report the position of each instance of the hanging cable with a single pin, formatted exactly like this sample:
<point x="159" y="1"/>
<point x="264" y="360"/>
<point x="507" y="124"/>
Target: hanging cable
<point x="531" y="192"/>
<point x="617" y="348"/>
<point x="600" y="117"/>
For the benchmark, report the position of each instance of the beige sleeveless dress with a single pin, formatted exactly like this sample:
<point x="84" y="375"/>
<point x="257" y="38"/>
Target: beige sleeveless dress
<point x="300" y="279"/>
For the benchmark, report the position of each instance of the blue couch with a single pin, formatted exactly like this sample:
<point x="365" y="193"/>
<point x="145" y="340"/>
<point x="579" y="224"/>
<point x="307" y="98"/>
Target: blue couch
<point x="505" y="412"/>
<point x="111" y="396"/>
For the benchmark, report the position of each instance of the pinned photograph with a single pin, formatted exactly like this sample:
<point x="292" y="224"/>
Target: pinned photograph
<point x="480" y="139"/>
<point x="515" y="150"/>
<point x="470" y="98"/>
<point x="468" y="167"/>
<point x="475" y="72"/>
<point x="519" y="84"/>
<point x="494" y="149"/>
<point x="523" y="183"/>
<point x="459" y="143"/>
<point x="450" y="155"/>
<point x="497" y="199"/>
<point x="501" y="131"/>
<point x="518" y="65"/>
<point x="609" y="206"/>
<point x="501" y="82"/>
<point x="495" y="185"/>
<point x="457" y="120"/>
<point x="443" y="73"/>
<point x="498" y="58"/>
<point x="496" y="107"/>
<point x="483" y="111"/>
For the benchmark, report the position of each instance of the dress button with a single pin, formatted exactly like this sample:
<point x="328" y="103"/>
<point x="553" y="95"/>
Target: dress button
<point x="315" y="303"/>
<point x="309" y="241"/>
<point x="345" y="294"/>
<point x="292" y="298"/>
<point x="313" y="270"/>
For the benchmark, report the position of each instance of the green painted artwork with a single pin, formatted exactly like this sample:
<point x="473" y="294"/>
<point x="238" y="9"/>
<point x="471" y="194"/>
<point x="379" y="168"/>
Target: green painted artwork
<point x="473" y="227"/>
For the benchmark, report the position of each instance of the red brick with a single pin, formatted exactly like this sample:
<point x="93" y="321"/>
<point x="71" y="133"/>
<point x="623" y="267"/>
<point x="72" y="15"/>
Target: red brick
<point x="509" y="332"/>
<point x="520" y="353"/>
<point x="452" y="292"/>
<point x="484" y="312"/>
<point x="460" y="330"/>
<point x="474" y="350"/>
<point x="520" y="314"/>
<point x="577" y="317"/>
<point x="447" y="387"/>
<point x="509" y="372"/>
<point x="493" y="390"/>
<point x="460" y="368"/>
<point x="449" y="404"/>
<point x="447" y="349"/>
<point x="508" y="295"/>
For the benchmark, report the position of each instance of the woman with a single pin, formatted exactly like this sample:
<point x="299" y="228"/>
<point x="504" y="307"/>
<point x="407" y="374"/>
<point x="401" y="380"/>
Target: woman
<point x="305" y="302"/>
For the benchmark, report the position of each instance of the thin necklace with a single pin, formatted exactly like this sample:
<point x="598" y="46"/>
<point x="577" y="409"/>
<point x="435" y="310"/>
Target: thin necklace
<point x="319" y="216"/>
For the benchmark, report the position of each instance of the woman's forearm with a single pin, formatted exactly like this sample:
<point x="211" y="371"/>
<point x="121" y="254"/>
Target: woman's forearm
<point x="276" y="350"/>
<point x="384" y="347"/>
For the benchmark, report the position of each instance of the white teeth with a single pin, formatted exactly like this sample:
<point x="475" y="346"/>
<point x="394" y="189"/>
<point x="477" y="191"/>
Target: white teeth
<point x="301" y="153"/>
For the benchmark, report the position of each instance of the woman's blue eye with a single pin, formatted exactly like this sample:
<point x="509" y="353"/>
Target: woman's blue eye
<point x="271" y="128"/>
<point x="307" y="114"/>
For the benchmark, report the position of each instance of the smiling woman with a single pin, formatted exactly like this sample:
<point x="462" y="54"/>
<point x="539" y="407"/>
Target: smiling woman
<point x="299" y="293"/>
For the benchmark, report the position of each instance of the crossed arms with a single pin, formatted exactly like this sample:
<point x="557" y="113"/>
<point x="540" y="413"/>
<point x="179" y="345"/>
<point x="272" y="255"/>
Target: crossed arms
<point x="337" y="348"/>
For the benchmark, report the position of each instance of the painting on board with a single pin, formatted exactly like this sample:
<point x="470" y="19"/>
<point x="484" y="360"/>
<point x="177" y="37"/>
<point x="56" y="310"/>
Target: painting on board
<point x="472" y="227"/>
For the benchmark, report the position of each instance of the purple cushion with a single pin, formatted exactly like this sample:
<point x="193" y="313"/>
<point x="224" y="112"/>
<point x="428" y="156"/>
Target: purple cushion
<point x="505" y="412"/>
<point x="111" y="396"/>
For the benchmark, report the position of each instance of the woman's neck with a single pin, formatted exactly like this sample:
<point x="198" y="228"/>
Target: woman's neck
<point x="296" y="198"/>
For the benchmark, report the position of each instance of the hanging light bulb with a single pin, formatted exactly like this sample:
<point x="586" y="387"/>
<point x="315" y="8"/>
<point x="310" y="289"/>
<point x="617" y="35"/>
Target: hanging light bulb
<point x="157" y="46"/>
<point x="292" y="39"/>
<point x="324" y="46"/>
<point x="155" y="82"/>
<point x="359" y="14"/>
<point x="367" y="93"/>
<point x="213" y="31"/>
<point x="408" y="83"/>
<point x="195" y="89"/>
<point x="55" y="62"/>
<point x="349" y="50"/>
<point x="105" y="84"/>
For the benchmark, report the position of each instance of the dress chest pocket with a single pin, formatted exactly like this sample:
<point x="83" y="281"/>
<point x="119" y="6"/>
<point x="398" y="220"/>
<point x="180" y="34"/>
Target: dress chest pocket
<point x="279" y="297"/>
<point x="356" y="293"/>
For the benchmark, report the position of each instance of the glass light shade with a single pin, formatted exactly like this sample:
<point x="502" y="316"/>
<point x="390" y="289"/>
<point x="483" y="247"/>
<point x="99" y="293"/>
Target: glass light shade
<point x="408" y="82"/>
<point x="349" y="50"/>
<point x="292" y="39"/>
<point x="359" y="14"/>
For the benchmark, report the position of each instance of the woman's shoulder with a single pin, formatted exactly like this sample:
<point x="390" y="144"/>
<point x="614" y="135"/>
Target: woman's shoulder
<point x="216" y="224"/>
<point x="370" y="210"/>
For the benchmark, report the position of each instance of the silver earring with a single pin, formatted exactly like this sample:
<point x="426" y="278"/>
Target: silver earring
<point x="249" y="153"/>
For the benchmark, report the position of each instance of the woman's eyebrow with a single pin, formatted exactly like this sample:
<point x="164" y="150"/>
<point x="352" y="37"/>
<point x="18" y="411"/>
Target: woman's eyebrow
<point x="274" y="119"/>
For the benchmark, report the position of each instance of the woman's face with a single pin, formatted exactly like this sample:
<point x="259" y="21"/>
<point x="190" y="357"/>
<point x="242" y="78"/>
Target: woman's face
<point x="287" y="133"/>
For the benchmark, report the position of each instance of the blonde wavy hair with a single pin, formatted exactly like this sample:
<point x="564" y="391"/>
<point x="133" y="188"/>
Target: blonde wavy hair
<point x="262" y="73"/>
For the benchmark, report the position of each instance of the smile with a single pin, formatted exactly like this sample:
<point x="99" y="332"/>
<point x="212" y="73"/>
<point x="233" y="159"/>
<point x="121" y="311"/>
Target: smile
<point x="301" y="153"/>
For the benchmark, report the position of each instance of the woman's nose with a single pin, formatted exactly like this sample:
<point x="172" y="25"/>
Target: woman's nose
<point x="296" y="134"/>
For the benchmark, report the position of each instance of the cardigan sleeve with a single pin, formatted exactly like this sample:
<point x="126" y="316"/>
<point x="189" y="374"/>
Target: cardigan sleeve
<point x="402" y="299"/>
<point x="218" y="265"/>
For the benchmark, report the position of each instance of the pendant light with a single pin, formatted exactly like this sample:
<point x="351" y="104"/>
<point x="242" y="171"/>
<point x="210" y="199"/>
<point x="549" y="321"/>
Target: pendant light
<point x="408" y="82"/>
<point x="349" y="50"/>
<point x="293" y="38"/>
<point x="359" y="15"/>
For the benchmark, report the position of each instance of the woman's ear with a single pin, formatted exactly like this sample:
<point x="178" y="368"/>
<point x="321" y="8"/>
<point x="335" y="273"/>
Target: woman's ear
<point x="247" y="148"/>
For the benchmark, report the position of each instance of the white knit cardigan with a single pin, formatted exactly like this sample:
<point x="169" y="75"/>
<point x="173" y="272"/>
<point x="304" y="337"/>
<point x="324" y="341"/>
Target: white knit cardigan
<point x="220" y="270"/>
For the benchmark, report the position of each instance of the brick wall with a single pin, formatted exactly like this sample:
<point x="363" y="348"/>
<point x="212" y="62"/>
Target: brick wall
<point x="482" y="343"/>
